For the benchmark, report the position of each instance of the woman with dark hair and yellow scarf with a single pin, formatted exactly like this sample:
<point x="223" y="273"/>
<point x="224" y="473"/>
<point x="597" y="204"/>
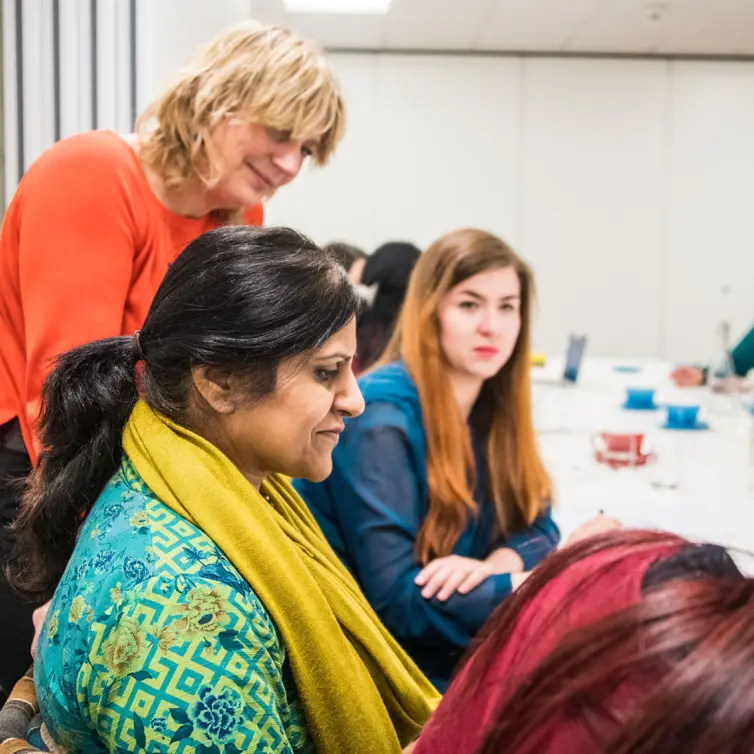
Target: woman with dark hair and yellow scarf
<point x="196" y="602"/>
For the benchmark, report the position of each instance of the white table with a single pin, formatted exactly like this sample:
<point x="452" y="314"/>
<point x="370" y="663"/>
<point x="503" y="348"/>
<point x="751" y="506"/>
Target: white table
<point x="713" y="469"/>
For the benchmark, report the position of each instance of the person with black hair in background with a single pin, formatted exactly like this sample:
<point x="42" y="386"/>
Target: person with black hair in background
<point x="387" y="272"/>
<point x="351" y="258"/>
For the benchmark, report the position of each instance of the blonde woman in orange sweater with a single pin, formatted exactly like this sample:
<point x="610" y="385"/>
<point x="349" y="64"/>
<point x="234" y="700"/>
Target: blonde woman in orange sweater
<point x="97" y="219"/>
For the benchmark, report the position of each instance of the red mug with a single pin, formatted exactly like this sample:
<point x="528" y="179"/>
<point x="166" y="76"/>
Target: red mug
<point x="620" y="448"/>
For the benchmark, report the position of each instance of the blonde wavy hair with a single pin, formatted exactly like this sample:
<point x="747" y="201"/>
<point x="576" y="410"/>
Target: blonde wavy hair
<point x="253" y="72"/>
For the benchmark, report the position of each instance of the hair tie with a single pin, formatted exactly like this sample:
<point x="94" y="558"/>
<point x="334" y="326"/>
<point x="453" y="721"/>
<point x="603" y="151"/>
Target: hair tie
<point x="136" y="346"/>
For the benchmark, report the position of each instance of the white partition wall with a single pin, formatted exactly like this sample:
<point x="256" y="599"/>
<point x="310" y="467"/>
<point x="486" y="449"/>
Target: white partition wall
<point x="36" y="58"/>
<point x="85" y="64"/>
<point x="594" y="198"/>
<point x="711" y="218"/>
<point x="170" y="32"/>
<point x="627" y="183"/>
<point x="76" y="56"/>
<point x="449" y="131"/>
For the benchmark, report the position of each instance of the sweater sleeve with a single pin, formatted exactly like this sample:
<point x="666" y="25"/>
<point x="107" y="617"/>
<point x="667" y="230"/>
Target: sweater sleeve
<point x="76" y="249"/>
<point x="536" y="542"/>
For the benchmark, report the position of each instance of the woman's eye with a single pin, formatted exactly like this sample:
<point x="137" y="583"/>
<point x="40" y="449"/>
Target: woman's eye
<point x="307" y="151"/>
<point x="468" y="305"/>
<point x="326" y="375"/>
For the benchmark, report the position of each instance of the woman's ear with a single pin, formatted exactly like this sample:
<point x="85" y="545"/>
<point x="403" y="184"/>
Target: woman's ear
<point x="216" y="387"/>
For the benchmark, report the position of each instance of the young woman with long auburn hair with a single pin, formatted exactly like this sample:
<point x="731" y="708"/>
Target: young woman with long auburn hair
<point x="439" y="502"/>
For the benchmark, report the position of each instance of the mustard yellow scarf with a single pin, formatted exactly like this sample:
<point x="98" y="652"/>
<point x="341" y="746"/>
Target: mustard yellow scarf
<point x="359" y="690"/>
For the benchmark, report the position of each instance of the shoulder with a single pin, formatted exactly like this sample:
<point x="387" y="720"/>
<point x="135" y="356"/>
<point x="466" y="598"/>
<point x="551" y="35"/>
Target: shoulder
<point x="91" y="161"/>
<point x="389" y="379"/>
<point x="384" y="439"/>
<point x="382" y="414"/>
<point x="103" y="150"/>
<point x="176" y="549"/>
<point x="391" y="400"/>
<point x="134" y="550"/>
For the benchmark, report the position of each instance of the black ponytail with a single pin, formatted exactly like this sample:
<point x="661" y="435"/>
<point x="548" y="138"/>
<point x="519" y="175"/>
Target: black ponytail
<point x="86" y="402"/>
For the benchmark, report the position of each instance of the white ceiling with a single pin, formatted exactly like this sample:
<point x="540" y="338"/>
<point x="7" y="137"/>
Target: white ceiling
<point x="684" y="27"/>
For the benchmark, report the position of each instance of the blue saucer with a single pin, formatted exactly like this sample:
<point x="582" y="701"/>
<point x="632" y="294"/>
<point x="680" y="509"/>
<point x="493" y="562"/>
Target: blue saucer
<point x="694" y="428"/>
<point x="628" y="407"/>
<point x="626" y="369"/>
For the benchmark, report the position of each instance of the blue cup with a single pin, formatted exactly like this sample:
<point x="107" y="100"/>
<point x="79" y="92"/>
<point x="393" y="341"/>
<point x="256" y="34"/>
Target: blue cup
<point x="683" y="417"/>
<point x="637" y="397"/>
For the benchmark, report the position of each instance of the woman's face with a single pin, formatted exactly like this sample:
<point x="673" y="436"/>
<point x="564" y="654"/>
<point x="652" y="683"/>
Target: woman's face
<point x="293" y="430"/>
<point x="254" y="161"/>
<point x="480" y="320"/>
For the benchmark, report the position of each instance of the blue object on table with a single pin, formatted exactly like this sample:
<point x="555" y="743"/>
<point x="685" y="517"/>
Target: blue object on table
<point x="640" y="399"/>
<point x="699" y="426"/>
<point x="626" y="369"/>
<point x="574" y="357"/>
<point x="683" y="417"/>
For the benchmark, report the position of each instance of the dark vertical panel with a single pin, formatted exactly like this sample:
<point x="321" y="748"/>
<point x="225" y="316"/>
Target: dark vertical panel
<point x="20" y="86"/>
<point x="132" y="57"/>
<point x="56" y="66"/>
<point x="93" y="50"/>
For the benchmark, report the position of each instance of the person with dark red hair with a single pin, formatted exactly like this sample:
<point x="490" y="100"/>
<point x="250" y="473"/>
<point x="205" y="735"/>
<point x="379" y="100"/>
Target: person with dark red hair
<point x="627" y="643"/>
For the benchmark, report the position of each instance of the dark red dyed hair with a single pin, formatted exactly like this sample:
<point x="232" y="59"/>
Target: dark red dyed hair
<point x="588" y="659"/>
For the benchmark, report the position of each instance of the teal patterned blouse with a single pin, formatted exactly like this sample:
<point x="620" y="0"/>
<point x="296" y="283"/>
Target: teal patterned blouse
<point x="155" y="643"/>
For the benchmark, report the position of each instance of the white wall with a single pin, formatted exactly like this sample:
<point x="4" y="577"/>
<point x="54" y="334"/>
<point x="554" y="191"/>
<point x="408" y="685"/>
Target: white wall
<point x="710" y="242"/>
<point x="592" y="200"/>
<point x="171" y="32"/>
<point x="628" y="184"/>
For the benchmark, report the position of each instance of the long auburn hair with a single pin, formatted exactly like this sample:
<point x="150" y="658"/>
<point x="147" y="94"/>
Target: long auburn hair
<point x="518" y="482"/>
<point x="684" y="652"/>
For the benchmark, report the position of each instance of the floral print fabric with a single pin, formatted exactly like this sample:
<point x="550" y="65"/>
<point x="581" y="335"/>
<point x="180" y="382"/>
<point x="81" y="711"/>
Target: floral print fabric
<point x="155" y="643"/>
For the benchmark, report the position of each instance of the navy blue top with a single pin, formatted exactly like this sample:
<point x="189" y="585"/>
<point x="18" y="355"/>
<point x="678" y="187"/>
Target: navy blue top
<point x="371" y="508"/>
